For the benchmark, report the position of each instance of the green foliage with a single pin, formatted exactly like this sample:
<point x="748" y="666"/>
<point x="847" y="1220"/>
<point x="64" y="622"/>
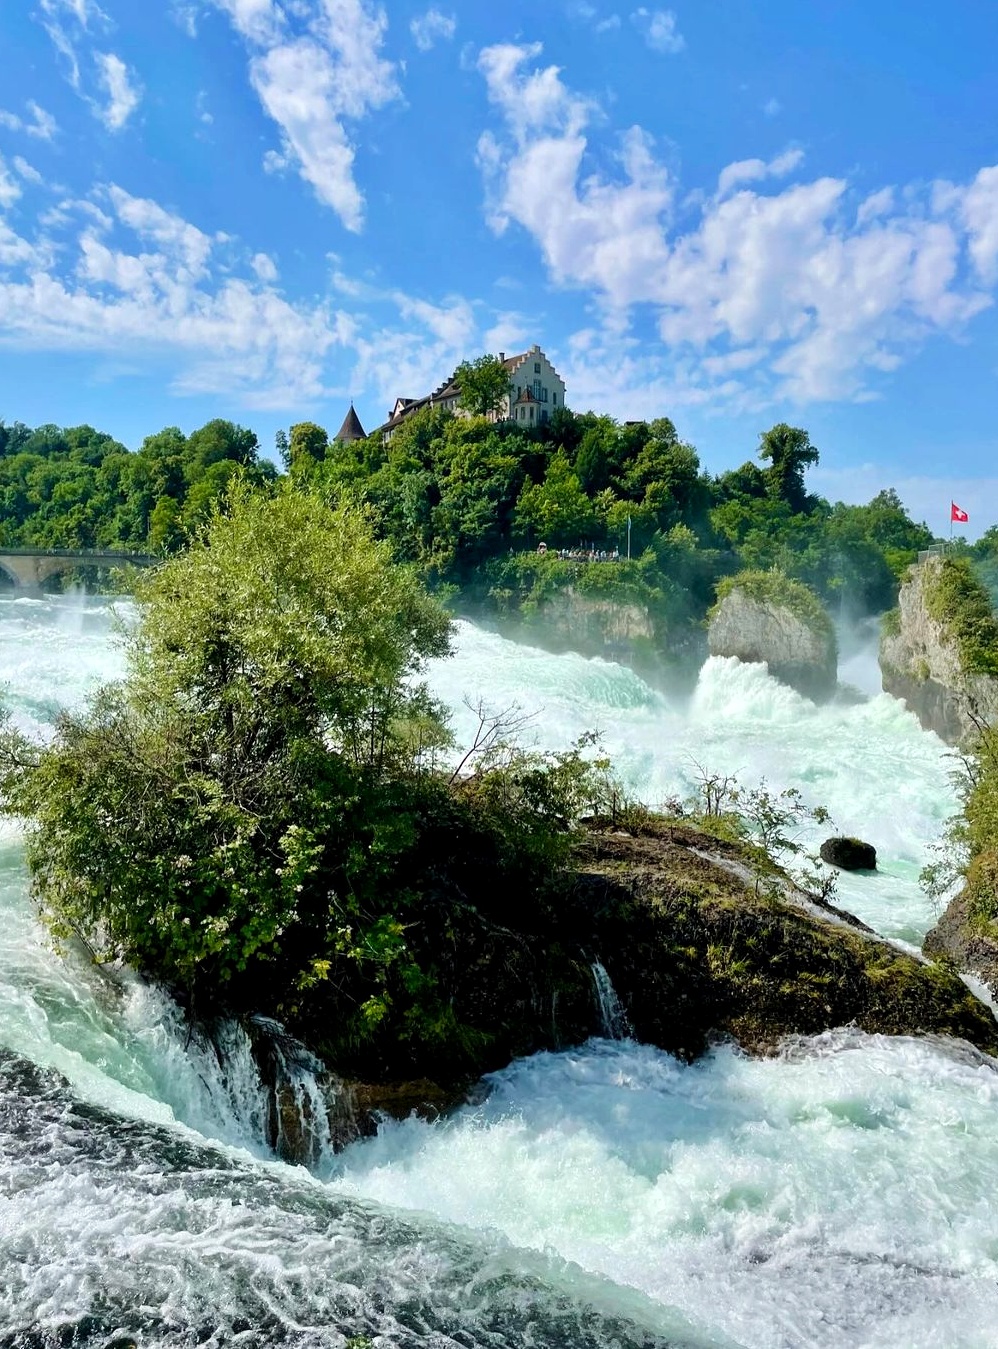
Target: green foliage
<point x="773" y="587"/>
<point x="961" y="604"/>
<point x="484" y="384"/>
<point x="77" y="488"/>
<point x="256" y="816"/>
<point x="188" y="820"/>
<point x="789" y="450"/>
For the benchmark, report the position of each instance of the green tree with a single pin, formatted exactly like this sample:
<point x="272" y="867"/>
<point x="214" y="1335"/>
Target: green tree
<point x="483" y="383"/>
<point x="789" y="451"/>
<point x="202" y="816"/>
<point x="307" y="446"/>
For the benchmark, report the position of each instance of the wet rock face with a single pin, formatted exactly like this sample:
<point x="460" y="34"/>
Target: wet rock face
<point x="850" y="854"/>
<point x="970" y="946"/>
<point x="920" y="664"/>
<point x="797" y="653"/>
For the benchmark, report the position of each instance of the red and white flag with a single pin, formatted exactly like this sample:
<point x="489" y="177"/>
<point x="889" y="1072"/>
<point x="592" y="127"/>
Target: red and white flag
<point x="955" y="513"/>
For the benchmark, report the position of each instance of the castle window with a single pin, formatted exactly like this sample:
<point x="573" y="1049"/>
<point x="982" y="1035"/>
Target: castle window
<point x="554" y="399"/>
<point x="537" y="367"/>
<point x="537" y="390"/>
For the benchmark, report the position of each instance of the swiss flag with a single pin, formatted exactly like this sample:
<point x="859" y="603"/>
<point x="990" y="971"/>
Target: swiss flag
<point x="955" y="513"/>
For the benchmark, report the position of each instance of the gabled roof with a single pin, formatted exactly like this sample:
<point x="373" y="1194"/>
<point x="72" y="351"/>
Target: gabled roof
<point x="351" y="429"/>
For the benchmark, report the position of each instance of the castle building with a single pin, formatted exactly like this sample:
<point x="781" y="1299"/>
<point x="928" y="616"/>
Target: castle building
<point x="535" y="391"/>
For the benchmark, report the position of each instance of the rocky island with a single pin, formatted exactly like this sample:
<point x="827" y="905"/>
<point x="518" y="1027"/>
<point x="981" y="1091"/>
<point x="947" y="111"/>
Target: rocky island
<point x="766" y="617"/>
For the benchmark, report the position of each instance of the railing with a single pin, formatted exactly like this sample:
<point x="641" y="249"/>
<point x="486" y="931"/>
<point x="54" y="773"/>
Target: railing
<point x="933" y="550"/>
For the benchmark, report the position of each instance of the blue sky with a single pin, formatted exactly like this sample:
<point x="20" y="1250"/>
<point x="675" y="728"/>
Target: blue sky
<point x="727" y="212"/>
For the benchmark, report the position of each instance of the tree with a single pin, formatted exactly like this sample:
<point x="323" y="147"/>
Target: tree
<point x="212" y="813"/>
<point x="307" y="446"/>
<point x="484" y="384"/>
<point x="789" y="450"/>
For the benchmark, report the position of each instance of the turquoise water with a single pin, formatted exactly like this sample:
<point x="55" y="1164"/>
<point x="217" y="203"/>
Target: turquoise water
<point x="839" y="1194"/>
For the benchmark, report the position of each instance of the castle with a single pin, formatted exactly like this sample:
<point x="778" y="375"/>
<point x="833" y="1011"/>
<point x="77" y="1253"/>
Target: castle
<point x="535" y="390"/>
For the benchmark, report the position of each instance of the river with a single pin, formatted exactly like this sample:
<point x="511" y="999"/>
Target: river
<point x="840" y="1194"/>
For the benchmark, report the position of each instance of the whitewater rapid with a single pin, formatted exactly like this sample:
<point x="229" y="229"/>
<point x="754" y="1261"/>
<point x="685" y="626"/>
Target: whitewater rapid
<point x="840" y="1194"/>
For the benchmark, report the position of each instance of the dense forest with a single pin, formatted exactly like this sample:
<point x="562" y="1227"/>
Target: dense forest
<point x="468" y="501"/>
<point x="75" y="487"/>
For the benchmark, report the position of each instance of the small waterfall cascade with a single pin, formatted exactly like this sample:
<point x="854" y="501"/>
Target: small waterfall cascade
<point x="613" y="1018"/>
<point x="311" y="1115"/>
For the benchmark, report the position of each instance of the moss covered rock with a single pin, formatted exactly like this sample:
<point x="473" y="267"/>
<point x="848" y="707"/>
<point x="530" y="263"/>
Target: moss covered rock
<point x="764" y="616"/>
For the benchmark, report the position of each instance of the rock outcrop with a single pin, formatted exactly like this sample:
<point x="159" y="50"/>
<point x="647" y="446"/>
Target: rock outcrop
<point x="928" y="650"/>
<point x="971" y="946"/>
<point x="696" y="949"/>
<point x="850" y="854"/>
<point x="765" y="617"/>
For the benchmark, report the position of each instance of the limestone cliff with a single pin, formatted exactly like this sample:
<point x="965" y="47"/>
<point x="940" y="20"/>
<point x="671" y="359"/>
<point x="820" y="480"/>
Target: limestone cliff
<point x="936" y="653"/>
<point x="765" y="617"/>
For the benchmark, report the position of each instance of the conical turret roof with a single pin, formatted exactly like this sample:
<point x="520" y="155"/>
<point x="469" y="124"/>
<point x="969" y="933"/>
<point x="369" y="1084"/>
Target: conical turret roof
<point x="351" y="428"/>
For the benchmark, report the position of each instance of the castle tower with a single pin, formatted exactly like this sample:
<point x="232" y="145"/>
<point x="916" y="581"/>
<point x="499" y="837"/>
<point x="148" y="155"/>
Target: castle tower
<point x="351" y="429"/>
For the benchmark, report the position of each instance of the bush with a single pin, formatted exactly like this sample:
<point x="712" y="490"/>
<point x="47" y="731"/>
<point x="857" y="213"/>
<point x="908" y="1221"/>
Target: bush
<point x="958" y="601"/>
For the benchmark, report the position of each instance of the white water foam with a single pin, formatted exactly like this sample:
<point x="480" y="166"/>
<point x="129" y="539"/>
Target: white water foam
<point x="870" y="764"/>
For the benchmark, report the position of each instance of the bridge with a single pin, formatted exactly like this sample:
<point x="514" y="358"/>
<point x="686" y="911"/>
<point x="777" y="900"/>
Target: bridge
<point x="30" y="568"/>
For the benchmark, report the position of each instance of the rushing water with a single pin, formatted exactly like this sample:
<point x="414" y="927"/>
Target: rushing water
<point x="840" y="1194"/>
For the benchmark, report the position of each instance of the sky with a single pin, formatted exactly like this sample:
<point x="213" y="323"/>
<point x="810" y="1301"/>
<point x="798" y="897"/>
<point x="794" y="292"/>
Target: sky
<point x="728" y="212"/>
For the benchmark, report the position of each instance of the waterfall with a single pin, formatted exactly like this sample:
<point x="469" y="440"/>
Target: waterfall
<point x="613" y="1018"/>
<point x="311" y="1114"/>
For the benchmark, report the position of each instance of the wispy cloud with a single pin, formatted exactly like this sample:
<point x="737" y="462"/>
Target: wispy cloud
<point x="315" y="65"/>
<point x="119" y="275"/>
<point x="432" y="27"/>
<point x="39" y="124"/>
<point x="72" y="25"/>
<point x="122" y="96"/>
<point x="660" y="30"/>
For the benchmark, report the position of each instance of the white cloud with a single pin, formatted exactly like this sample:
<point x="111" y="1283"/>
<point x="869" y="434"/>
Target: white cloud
<point x="772" y="107"/>
<point x="753" y="170"/>
<point x="123" y="95"/>
<point x="264" y="266"/>
<point x="42" y="124"/>
<point x="659" y="29"/>
<point x="27" y="171"/>
<point x="10" y="188"/>
<point x="144" y="279"/>
<point x="120" y="275"/>
<point x="607" y="25"/>
<point x="799" y="292"/>
<point x="432" y="27"/>
<point x="979" y="212"/>
<point x="313" y="66"/>
<point x="261" y="21"/>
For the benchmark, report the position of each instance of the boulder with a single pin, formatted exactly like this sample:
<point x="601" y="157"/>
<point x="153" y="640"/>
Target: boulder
<point x="765" y="617"/>
<point x="850" y="854"/>
<point x="925" y="659"/>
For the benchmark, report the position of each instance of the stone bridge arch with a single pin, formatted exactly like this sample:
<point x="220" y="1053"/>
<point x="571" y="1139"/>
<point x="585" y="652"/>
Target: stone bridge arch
<point x="30" y="568"/>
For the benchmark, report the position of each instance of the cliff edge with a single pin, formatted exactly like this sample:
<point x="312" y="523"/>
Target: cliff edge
<point x="939" y="649"/>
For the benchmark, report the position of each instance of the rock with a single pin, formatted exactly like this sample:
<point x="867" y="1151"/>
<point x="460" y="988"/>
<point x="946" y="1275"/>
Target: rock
<point x="971" y="946"/>
<point x="695" y="949"/>
<point x="922" y="659"/>
<point x="850" y="854"/>
<point x="765" y="617"/>
<point x="693" y="953"/>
